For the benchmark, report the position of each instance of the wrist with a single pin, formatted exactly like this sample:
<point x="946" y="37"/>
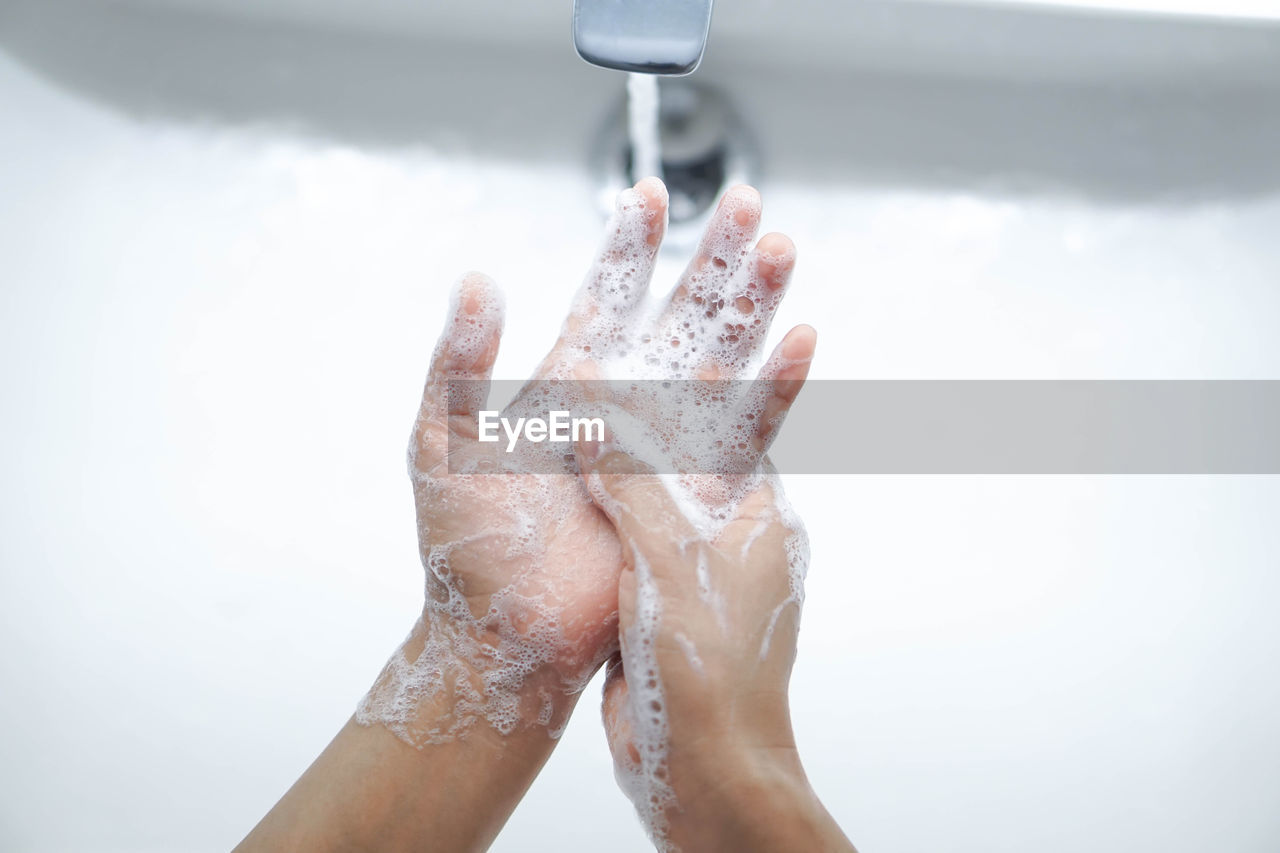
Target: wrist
<point x="447" y="682"/>
<point x="760" y="801"/>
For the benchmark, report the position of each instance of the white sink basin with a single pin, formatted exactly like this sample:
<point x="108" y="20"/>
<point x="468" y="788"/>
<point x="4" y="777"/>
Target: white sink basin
<point x="226" y="234"/>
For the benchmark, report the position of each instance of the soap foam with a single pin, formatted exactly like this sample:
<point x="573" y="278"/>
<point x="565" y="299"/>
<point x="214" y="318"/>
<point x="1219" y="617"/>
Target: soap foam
<point x="643" y="776"/>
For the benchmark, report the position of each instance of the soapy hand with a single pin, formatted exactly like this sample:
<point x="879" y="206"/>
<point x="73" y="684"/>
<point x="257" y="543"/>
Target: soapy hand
<point x="521" y="568"/>
<point x="695" y="704"/>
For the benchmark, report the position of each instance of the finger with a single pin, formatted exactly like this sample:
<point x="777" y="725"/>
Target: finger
<point x="648" y="520"/>
<point x="757" y="292"/>
<point x="462" y="365"/>
<point x="620" y="276"/>
<point x="763" y="544"/>
<point x="618" y="728"/>
<point x="779" y="383"/>
<point x="700" y="293"/>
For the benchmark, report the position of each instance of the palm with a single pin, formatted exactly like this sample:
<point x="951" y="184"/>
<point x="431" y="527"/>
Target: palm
<point x="529" y="554"/>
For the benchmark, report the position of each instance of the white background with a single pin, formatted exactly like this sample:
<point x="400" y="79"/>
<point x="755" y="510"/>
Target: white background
<point x="213" y="338"/>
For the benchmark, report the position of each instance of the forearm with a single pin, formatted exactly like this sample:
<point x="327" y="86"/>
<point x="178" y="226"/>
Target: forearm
<point x="370" y="790"/>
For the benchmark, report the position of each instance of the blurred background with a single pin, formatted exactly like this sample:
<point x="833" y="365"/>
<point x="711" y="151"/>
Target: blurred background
<point x="227" y="233"/>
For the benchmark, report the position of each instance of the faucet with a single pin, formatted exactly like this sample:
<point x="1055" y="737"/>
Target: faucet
<point x="648" y="36"/>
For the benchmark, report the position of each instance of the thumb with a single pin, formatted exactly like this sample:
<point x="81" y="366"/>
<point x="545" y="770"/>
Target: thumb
<point x="647" y="518"/>
<point x="462" y="364"/>
<point x="617" y="720"/>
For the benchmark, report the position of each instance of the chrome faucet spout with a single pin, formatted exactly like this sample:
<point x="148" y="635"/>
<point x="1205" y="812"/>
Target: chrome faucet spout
<point x="649" y="36"/>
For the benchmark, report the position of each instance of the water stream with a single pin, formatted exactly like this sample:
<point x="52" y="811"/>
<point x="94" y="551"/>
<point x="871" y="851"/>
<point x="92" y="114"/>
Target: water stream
<point x="642" y="122"/>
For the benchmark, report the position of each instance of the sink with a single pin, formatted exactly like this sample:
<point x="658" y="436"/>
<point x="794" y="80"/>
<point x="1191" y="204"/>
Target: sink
<point x="227" y="231"/>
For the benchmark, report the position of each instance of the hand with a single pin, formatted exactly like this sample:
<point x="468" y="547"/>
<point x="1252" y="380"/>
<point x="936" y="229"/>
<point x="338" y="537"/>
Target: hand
<point x="520" y="610"/>
<point x="521" y="569"/>
<point x="695" y="706"/>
